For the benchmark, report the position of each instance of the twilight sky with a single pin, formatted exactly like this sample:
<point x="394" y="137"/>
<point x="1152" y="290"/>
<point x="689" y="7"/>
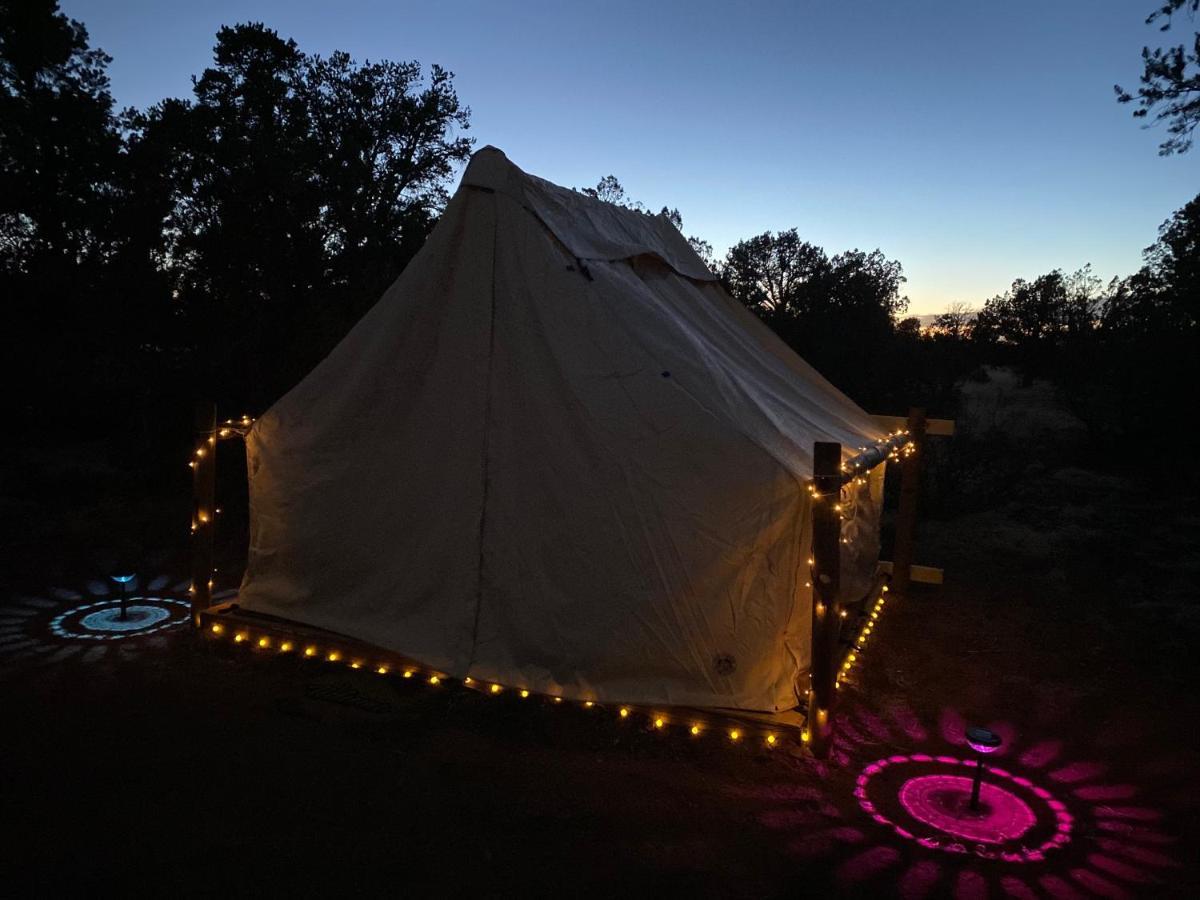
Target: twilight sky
<point x="974" y="141"/>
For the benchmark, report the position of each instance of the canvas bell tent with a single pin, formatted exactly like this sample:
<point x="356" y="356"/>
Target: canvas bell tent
<point x="557" y="456"/>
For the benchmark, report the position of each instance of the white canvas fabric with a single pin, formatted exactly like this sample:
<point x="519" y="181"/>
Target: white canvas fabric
<point x="557" y="455"/>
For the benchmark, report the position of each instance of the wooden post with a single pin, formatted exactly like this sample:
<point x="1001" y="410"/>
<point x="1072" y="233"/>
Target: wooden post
<point x="204" y="490"/>
<point x="826" y="582"/>
<point x="906" y="515"/>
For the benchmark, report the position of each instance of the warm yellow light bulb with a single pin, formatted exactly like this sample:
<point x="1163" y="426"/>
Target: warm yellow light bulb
<point x="558" y="699"/>
<point x="218" y="628"/>
<point x="658" y="723"/>
<point x="589" y="703"/>
<point x="356" y="665"/>
<point x="382" y="670"/>
<point x="770" y="740"/>
<point x="695" y="729"/>
<point x="264" y="642"/>
<point x="624" y="712"/>
<point x="495" y="688"/>
<point x="286" y="647"/>
<point x="804" y="736"/>
<point x="524" y="693"/>
<point x="433" y="679"/>
<point x="310" y="651"/>
<point x="467" y="680"/>
<point x="735" y="735"/>
<point x="334" y="656"/>
<point x="408" y="673"/>
<point x="239" y="637"/>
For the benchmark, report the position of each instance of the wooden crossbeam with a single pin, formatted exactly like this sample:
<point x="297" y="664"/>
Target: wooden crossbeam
<point x="920" y="574"/>
<point x="933" y="427"/>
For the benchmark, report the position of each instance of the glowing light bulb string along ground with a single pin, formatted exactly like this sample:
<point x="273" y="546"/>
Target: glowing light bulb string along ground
<point x="691" y="723"/>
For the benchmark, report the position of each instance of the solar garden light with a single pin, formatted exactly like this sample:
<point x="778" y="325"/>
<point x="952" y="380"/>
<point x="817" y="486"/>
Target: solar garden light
<point x="123" y="581"/>
<point x="982" y="741"/>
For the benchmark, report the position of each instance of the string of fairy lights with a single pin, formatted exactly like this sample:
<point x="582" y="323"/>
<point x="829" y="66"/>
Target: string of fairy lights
<point x="859" y="643"/>
<point x="657" y="720"/>
<point x="228" y="429"/>
<point x="854" y="472"/>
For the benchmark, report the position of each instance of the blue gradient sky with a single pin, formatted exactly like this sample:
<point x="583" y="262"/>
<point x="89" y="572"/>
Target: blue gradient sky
<point x="974" y="141"/>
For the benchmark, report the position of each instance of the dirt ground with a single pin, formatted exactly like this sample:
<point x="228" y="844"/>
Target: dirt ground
<point x="156" y="765"/>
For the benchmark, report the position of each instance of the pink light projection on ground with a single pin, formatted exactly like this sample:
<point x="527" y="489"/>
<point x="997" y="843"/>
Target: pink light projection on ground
<point x="942" y="802"/>
<point x="926" y="799"/>
<point x="1092" y="836"/>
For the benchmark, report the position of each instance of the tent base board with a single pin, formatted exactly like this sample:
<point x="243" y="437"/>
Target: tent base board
<point x="276" y="635"/>
<point x="920" y="574"/>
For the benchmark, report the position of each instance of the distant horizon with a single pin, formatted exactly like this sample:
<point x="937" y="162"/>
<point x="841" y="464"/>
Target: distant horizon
<point x="976" y="147"/>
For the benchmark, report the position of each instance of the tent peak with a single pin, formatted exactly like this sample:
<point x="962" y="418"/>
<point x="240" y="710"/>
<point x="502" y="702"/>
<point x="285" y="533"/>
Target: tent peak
<point x="590" y="228"/>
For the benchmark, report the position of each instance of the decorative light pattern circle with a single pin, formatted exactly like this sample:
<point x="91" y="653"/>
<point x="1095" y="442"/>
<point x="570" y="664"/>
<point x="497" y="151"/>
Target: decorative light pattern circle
<point x="102" y="621"/>
<point x="137" y="618"/>
<point x="926" y="799"/>
<point x="942" y="802"/>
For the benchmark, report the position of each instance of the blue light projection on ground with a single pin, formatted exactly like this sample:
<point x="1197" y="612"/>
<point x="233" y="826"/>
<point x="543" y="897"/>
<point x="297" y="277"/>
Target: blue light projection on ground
<point x="102" y="621"/>
<point x="136" y="618"/>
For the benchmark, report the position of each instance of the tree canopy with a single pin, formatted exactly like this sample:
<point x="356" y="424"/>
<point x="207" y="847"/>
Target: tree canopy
<point x="219" y="244"/>
<point x="1170" y="81"/>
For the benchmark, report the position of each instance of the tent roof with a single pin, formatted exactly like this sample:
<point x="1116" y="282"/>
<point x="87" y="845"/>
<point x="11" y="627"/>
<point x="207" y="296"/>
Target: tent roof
<point x="557" y="454"/>
<point x="589" y="228"/>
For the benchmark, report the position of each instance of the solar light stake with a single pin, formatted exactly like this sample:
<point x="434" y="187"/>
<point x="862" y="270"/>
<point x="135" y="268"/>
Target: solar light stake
<point x="982" y="741"/>
<point x="123" y="581"/>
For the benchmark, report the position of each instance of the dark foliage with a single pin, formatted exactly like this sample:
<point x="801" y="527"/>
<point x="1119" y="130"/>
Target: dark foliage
<point x="813" y="301"/>
<point x="218" y="245"/>
<point x="1170" y="82"/>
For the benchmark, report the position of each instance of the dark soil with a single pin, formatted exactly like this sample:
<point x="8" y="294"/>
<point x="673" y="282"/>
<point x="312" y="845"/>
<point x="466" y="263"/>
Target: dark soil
<point x="172" y="767"/>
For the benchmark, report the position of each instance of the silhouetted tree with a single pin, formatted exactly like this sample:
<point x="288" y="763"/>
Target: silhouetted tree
<point x="771" y="273"/>
<point x="59" y="165"/>
<point x="298" y="187"/>
<point x="610" y="190"/>
<point x="817" y="303"/>
<point x="58" y="146"/>
<point x="1170" y="82"/>
<point x="1036" y="318"/>
<point x="1161" y="301"/>
<point x="955" y="323"/>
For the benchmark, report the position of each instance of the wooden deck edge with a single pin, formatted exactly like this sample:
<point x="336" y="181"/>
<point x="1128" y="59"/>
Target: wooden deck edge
<point x="920" y="574"/>
<point x="275" y="635"/>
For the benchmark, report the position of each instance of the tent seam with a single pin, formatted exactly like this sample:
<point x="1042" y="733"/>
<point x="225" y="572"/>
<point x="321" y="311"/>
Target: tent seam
<point x="487" y="427"/>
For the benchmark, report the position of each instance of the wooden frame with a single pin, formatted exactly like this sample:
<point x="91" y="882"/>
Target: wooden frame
<point x="275" y="635"/>
<point x="204" y="514"/>
<point x="830" y="473"/>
